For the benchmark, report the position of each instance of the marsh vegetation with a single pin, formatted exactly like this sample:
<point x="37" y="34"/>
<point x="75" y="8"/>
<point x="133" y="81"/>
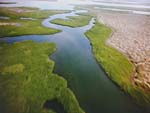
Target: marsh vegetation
<point x="27" y="75"/>
<point x="27" y="80"/>
<point x="116" y="65"/>
<point x="15" y="26"/>
<point x="75" y="21"/>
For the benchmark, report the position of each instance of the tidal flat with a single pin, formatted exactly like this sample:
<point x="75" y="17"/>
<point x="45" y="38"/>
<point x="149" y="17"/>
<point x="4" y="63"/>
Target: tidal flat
<point x="118" y="67"/>
<point x="75" y="61"/>
<point x="15" y="26"/>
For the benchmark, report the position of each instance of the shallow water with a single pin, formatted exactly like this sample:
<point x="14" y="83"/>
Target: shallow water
<point x="74" y="61"/>
<point x="124" y="10"/>
<point x="40" y="4"/>
<point x="4" y="17"/>
<point x="22" y="18"/>
<point x="54" y="105"/>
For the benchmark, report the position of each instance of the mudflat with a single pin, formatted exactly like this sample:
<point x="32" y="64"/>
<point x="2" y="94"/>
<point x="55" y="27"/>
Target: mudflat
<point x="132" y="37"/>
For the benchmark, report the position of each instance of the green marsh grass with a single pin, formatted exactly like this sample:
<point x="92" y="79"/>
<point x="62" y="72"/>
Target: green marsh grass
<point x="27" y="81"/>
<point x="25" y="27"/>
<point x="75" y="21"/>
<point x="115" y="64"/>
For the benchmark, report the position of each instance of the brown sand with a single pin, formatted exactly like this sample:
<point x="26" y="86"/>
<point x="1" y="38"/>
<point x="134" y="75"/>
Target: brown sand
<point x="131" y="37"/>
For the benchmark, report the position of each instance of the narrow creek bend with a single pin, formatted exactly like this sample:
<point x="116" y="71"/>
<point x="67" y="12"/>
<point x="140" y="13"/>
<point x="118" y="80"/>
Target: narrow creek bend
<point x="74" y="60"/>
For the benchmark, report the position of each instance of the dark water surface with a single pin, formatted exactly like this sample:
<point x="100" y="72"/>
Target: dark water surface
<point x="55" y="106"/>
<point x="74" y="61"/>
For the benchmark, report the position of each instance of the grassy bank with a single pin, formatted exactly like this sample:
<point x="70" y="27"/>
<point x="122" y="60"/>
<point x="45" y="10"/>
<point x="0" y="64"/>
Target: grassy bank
<point x="24" y="27"/>
<point x="27" y="81"/>
<point x="117" y="66"/>
<point x="16" y="27"/>
<point x="76" y="21"/>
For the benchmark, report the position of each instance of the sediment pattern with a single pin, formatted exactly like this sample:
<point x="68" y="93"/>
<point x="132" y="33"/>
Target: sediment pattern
<point x="132" y="37"/>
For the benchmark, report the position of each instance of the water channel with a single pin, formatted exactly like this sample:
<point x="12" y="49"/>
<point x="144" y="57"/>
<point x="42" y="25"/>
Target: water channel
<point x="75" y="61"/>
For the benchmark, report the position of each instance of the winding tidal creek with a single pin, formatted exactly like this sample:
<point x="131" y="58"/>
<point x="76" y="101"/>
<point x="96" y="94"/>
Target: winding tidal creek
<point x="75" y="61"/>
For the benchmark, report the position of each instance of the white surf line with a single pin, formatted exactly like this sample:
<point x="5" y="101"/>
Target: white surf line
<point x="125" y="10"/>
<point x="124" y="2"/>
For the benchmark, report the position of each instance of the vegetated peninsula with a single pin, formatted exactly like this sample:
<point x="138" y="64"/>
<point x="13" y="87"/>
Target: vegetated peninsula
<point x="74" y="21"/>
<point x="27" y="81"/>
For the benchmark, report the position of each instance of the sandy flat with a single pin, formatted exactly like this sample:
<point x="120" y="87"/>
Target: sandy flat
<point x="132" y="37"/>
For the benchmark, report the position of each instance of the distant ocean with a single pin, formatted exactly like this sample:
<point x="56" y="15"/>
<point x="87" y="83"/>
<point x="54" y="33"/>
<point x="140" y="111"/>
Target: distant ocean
<point x="130" y="6"/>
